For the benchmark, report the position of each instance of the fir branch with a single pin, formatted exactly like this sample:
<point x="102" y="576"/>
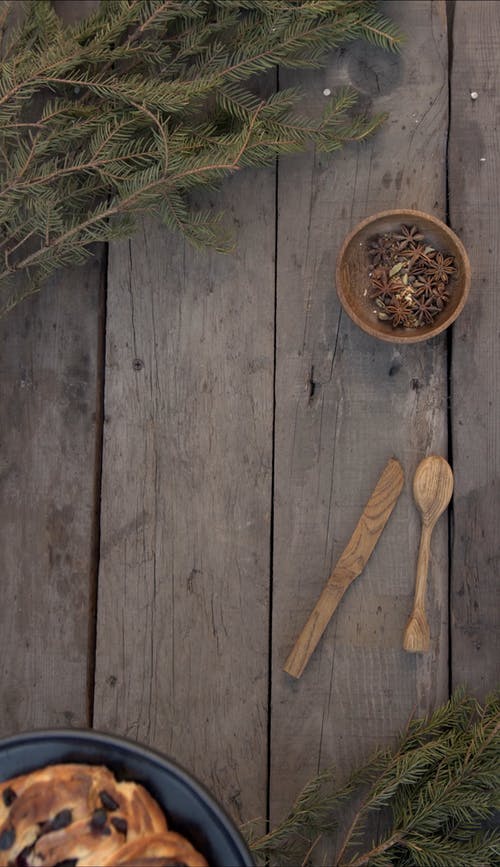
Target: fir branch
<point x="127" y="111"/>
<point x="439" y="786"/>
<point x="302" y="826"/>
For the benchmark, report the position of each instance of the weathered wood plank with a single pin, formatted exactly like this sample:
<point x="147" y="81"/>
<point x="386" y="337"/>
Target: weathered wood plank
<point x="344" y="404"/>
<point x="48" y="436"/>
<point x="184" y="580"/>
<point x="49" y="384"/>
<point x="474" y="173"/>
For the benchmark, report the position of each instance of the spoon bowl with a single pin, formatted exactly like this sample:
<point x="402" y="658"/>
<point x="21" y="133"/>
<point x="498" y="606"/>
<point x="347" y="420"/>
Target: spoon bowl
<point x="432" y="488"/>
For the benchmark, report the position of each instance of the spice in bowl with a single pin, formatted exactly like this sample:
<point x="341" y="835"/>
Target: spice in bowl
<point x="409" y="278"/>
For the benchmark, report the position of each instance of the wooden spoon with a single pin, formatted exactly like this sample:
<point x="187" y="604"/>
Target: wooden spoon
<point x="432" y="490"/>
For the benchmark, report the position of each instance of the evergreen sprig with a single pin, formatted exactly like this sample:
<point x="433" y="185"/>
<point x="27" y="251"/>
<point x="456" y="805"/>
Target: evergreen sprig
<point x="438" y="789"/>
<point x="129" y="110"/>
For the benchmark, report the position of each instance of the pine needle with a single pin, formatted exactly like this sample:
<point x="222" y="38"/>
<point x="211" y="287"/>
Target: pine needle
<point x="440" y="789"/>
<point x="129" y="110"/>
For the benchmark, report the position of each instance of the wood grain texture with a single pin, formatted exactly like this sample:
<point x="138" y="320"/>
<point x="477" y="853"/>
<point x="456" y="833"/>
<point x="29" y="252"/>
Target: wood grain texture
<point x="49" y="385"/>
<point x="184" y="580"/>
<point x="351" y="563"/>
<point x="345" y="403"/>
<point x="47" y="436"/>
<point x="474" y="173"/>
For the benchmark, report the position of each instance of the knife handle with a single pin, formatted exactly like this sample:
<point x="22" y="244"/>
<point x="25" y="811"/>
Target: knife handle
<point x="351" y="563"/>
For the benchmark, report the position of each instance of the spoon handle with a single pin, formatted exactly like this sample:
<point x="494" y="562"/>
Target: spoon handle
<point x="417" y="633"/>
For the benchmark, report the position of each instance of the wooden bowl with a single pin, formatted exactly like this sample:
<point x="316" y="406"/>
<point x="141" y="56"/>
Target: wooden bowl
<point x="353" y="267"/>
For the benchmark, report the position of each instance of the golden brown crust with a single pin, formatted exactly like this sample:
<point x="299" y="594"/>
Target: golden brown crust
<point x="41" y="797"/>
<point x="81" y="813"/>
<point x="155" y="862"/>
<point x="166" y="846"/>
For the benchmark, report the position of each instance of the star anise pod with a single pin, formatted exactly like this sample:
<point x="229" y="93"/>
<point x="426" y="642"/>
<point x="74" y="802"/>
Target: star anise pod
<point x="418" y="270"/>
<point x="408" y="236"/>
<point x="424" y="286"/>
<point x="425" y="310"/>
<point x="381" y="249"/>
<point x="417" y="255"/>
<point x="408" y="277"/>
<point x="383" y="284"/>
<point x="441" y="267"/>
<point x="441" y="294"/>
<point x="400" y="310"/>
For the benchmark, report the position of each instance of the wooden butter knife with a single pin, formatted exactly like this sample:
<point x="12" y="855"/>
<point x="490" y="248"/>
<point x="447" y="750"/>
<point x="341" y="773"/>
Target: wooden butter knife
<point x="352" y="562"/>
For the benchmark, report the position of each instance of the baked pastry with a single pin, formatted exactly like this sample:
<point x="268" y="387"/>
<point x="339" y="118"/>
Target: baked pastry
<point x="80" y="816"/>
<point x="157" y="849"/>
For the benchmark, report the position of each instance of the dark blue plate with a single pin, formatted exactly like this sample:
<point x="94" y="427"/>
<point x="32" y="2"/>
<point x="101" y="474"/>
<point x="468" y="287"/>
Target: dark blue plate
<point x="189" y="808"/>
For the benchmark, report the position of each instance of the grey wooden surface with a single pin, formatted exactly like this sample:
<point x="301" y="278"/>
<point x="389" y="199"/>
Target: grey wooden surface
<point x="244" y="421"/>
<point x="182" y="642"/>
<point x="50" y="374"/>
<point x="475" y="357"/>
<point x="49" y="386"/>
<point x="345" y="404"/>
<point x="50" y="430"/>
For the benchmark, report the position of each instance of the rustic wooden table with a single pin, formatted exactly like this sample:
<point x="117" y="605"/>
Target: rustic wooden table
<point x="188" y="439"/>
